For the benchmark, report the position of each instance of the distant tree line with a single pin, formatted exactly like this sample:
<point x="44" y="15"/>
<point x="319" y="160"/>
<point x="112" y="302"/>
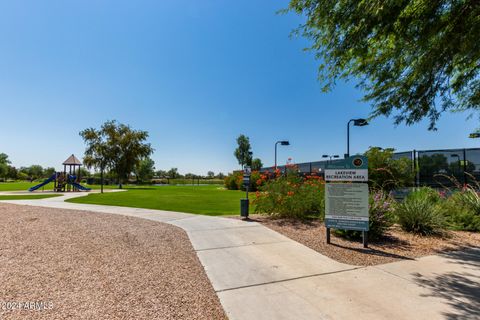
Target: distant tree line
<point x="33" y="172"/>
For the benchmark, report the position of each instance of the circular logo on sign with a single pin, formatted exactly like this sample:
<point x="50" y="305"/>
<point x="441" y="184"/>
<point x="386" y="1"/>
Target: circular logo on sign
<point x="357" y="162"/>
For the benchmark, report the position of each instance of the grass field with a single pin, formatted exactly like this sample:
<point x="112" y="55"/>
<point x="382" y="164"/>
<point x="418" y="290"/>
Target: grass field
<point x="28" y="197"/>
<point x="23" y="185"/>
<point x="208" y="200"/>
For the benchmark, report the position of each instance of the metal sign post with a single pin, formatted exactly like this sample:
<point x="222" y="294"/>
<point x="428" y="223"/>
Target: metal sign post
<point x="346" y="196"/>
<point x="245" y="203"/>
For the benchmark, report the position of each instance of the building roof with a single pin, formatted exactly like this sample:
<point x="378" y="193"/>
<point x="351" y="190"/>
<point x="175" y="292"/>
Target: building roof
<point x="72" y="160"/>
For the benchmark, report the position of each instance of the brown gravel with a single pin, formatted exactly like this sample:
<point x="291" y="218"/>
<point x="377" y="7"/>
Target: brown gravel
<point x="99" y="266"/>
<point x="397" y="245"/>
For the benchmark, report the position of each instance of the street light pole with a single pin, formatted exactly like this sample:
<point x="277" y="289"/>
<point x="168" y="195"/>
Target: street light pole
<point x="356" y="122"/>
<point x="283" y="143"/>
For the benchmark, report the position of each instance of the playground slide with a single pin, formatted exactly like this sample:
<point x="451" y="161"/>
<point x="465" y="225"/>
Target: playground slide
<point x="80" y="187"/>
<point x="43" y="183"/>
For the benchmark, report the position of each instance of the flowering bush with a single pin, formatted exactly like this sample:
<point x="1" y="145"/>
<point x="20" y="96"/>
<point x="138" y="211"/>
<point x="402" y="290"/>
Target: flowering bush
<point x="381" y="209"/>
<point x="290" y="196"/>
<point x="234" y="181"/>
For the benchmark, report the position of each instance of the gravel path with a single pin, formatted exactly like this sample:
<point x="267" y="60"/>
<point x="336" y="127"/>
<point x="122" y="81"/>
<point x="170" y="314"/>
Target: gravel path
<point x="84" y="265"/>
<point x="397" y="245"/>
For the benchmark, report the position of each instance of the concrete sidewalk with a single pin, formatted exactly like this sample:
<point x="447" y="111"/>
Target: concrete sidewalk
<point x="260" y="274"/>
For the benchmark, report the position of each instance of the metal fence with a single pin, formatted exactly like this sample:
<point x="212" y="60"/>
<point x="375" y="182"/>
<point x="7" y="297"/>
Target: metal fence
<point x="434" y="168"/>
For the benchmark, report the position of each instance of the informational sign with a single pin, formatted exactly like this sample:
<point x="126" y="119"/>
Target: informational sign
<point x="346" y="206"/>
<point x="346" y="194"/>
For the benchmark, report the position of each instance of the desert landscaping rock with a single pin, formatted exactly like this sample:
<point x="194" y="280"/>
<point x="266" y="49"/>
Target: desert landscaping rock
<point x="396" y="246"/>
<point x="99" y="266"/>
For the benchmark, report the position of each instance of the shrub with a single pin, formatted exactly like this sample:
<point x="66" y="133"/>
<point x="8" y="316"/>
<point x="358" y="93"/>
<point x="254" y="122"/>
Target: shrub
<point x="291" y="196"/>
<point x="230" y="181"/>
<point x="463" y="210"/>
<point x="234" y="181"/>
<point x="381" y="218"/>
<point x="421" y="212"/>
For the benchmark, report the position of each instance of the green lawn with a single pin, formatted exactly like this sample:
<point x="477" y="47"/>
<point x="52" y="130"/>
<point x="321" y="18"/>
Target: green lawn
<point x="23" y="185"/>
<point x="208" y="200"/>
<point x="28" y="197"/>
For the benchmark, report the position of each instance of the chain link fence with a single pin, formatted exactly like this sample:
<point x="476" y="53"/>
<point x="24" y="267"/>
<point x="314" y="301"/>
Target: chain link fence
<point x="435" y="168"/>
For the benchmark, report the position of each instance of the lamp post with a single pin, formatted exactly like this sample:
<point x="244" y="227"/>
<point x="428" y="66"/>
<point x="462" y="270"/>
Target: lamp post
<point x="283" y="143"/>
<point x="356" y="122"/>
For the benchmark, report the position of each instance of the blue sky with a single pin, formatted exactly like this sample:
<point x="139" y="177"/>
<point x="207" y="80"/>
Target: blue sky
<point x="195" y="74"/>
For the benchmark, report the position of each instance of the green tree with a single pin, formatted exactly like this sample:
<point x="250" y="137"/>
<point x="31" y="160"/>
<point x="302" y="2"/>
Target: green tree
<point x="387" y="173"/>
<point x="48" y="172"/>
<point x="173" y="173"/>
<point x="243" y="152"/>
<point x="161" y="174"/>
<point x="211" y="174"/>
<point x="35" y="171"/>
<point x="4" y="162"/>
<point x="145" y="170"/>
<point x="116" y="146"/>
<point x="257" y="164"/>
<point x="414" y="59"/>
<point x="12" y="173"/>
<point x="430" y="165"/>
<point x="84" y="173"/>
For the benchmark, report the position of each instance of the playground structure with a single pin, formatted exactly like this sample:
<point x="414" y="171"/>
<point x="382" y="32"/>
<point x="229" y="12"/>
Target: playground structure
<point x="66" y="181"/>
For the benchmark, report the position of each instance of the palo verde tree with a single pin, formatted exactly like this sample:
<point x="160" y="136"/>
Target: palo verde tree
<point x="115" y="146"/>
<point x="414" y="59"/>
<point x="243" y="151"/>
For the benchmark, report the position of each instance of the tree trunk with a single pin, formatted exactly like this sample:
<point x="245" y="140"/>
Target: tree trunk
<point x="101" y="180"/>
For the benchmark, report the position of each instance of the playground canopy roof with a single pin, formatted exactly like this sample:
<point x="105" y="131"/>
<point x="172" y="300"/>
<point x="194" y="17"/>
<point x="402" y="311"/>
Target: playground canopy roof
<point x="72" y="161"/>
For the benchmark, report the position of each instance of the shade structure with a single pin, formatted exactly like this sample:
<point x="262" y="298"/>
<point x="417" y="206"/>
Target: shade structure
<point x="72" y="161"/>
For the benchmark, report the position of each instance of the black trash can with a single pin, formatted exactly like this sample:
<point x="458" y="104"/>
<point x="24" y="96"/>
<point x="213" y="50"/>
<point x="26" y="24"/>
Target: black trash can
<point x="244" y="203"/>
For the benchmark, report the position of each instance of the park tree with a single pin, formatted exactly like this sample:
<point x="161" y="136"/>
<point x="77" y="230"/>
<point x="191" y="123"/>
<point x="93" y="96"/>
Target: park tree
<point x="433" y="164"/>
<point x="210" y="174"/>
<point x="115" y="146"/>
<point x="173" y="173"/>
<point x="220" y="175"/>
<point x="12" y="173"/>
<point x="243" y="151"/>
<point x="161" y="173"/>
<point x="84" y="173"/>
<point x="48" y="172"/>
<point x="387" y="173"/>
<point x="145" y="170"/>
<point x="257" y="164"/>
<point x="35" y="171"/>
<point x="413" y="59"/>
<point x="4" y="162"/>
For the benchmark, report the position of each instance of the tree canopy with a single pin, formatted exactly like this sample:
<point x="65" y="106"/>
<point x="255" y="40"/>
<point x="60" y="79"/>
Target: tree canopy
<point x="115" y="146"/>
<point x="257" y="164"/>
<point x="243" y="151"/>
<point x="413" y="58"/>
<point x="145" y="169"/>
